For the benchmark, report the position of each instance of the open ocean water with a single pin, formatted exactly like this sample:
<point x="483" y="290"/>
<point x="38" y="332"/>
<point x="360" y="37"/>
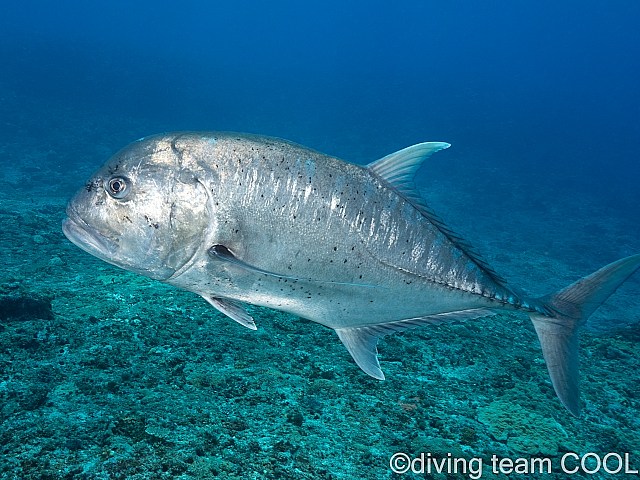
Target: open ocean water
<point x="108" y="375"/>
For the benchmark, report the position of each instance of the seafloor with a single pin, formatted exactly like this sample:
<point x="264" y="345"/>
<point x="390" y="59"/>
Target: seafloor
<point x="108" y="375"/>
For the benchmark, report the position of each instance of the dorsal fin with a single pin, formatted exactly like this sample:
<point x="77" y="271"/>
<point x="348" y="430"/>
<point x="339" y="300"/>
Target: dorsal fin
<point x="398" y="171"/>
<point x="399" y="168"/>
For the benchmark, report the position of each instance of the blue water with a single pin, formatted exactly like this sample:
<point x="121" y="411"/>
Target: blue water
<point x="539" y="100"/>
<point x="535" y="89"/>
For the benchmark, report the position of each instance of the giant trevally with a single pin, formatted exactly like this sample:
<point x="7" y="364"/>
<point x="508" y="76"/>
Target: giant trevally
<point x="240" y="218"/>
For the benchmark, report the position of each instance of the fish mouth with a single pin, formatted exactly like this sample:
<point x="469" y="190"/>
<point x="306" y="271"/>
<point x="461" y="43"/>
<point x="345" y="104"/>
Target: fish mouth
<point x="86" y="237"/>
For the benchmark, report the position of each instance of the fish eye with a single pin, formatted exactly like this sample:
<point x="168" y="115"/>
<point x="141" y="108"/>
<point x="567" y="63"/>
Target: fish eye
<point x="117" y="187"/>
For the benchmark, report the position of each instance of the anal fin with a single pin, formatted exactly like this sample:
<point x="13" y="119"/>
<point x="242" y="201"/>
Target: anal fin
<point x="361" y="344"/>
<point x="232" y="309"/>
<point x="361" y="341"/>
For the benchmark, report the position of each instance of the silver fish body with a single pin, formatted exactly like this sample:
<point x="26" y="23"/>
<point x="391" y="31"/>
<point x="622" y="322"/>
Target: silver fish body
<point x="371" y="256"/>
<point x="240" y="218"/>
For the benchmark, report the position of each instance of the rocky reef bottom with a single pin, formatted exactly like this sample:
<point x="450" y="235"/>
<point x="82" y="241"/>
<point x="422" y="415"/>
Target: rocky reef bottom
<point x="108" y="375"/>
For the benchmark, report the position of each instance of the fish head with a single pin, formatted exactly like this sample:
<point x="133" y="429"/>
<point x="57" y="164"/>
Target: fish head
<point x="141" y="211"/>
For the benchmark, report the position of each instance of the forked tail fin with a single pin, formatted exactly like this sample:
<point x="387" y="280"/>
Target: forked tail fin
<point x="558" y="334"/>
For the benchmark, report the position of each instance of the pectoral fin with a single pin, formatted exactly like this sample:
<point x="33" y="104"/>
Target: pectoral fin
<point x="221" y="252"/>
<point x="232" y="309"/>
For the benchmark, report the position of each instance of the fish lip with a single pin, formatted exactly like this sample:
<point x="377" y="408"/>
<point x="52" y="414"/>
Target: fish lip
<point x="86" y="237"/>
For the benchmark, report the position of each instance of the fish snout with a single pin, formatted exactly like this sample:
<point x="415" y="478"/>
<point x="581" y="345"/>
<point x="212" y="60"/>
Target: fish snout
<point x="80" y="233"/>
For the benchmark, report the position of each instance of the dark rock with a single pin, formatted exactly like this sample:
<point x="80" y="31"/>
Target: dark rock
<point x="328" y="374"/>
<point x="254" y="446"/>
<point x="35" y="398"/>
<point x="237" y="424"/>
<point x="74" y="444"/>
<point x="284" y="446"/>
<point x="313" y="404"/>
<point x="295" y="418"/>
<point x="18" y="307"/>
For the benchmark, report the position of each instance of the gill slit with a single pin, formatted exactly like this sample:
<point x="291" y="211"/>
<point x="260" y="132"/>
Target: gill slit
<point x="201" y="251"/>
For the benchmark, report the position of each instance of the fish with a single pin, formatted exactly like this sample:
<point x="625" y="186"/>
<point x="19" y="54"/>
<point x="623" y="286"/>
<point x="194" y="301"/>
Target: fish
<point x="247" y="219"/>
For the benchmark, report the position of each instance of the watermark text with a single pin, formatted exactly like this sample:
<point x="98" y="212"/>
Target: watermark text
<point x="570" y="463"/>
